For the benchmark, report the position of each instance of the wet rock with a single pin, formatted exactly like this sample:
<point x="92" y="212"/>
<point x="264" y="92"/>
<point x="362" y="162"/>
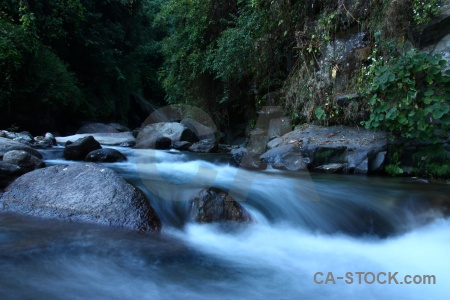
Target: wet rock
<point x="109" y="139"/>
<point x="287" y="157"/>
<point x="331" y="168"/>
<point x="85" y="193"/>
<point x="105" y="155"/>
<point x="79" y="149"/>
<point x="181" y="145"/>
<point x="213" y="205"/>
<point x="7" y="145"/>
<point x="205" y="146"/>
<point x="23" y="159"/>
<point x="176" y="132"/>
<point x="46" y="141"/>
<point x="243" y="158"/>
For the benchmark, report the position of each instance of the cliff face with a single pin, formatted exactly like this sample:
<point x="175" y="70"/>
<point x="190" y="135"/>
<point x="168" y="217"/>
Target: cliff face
<point x="337" y="47"/>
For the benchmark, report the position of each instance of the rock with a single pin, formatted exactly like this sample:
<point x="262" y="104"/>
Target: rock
<point x="355" y="147"/>
<point x="205" y="146"/>
<point x="119" y="127"/>
<point x="331" y="168"/>
<point x="105" y="155"/>
<point x="7" y="145"/>
<point x="97" y="128"/>
<point x="243" y="158"/>
<point x="79" y="149"/>
<point x="287" y="157"/>
<point x="362" y="168"/>
<point x="163" y="143"/>
<point x="24" y="137"/>
<point x="274" y="143"/>
<point x="85" y="193"/>
<point x="203" y="132"/>
<point x="147" y="137"/>
<point x="279" y="127"/>
<point x="213" y="205"/>
<point x="378" y="163"/>
<point x="46" y="141"/>
<point x="183" y="145"/>
<point x="108" y="139"/>
<point x="8" y="173"/>
<point x="23" y="159"/>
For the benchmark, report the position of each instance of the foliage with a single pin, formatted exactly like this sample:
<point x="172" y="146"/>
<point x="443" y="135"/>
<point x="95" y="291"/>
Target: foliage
<point x="425" y="10"/>
<point x="395" y="154"/>
<point x="80" y="58"/>
<point x="409" y="95"/>
<point x="432" y="161"/>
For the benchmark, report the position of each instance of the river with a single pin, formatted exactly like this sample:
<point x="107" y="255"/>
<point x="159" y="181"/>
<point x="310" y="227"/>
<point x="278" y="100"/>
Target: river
<point x="303" y="224"/>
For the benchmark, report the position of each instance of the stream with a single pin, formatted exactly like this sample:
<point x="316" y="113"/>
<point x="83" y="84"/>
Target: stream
<point x="303" y="224"/>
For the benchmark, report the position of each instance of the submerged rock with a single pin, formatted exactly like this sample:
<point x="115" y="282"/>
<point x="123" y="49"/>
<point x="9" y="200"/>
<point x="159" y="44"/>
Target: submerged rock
<point x="85" y="193"/>
<point x="213" y="205"/>
<point x="79" y="149"/>
<point x="105" y="155"/>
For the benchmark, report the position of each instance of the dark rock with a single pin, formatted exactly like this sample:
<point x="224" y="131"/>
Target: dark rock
<point x="7" y="145"/>
<point x="175" y="131"/>
<point x="23" y="159"/>
<point x="183" y="145"/>
<point x="79" y="149"/>
<point x="243" y="158"/>
<point x="331" y="168"/>
<point x="119" y="127"/>
<point x="24" y="137"/>
<point x="362" y="168"/>
<point x="271" y="111"/>
<point x="163" y="143"/>
<point x="203" y="132"/>
<point x="213" y="205"/>
<point x="8" y="173"/>
<point x="287" y="157"/>
<point x="85" y="193"/>
<point x="97" y="128"/>
<point x="105" y="155"/>
<point x="205" y="146"/>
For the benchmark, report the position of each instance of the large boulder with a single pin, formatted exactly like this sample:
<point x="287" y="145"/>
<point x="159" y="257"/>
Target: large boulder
<point x="105" y="155"/>
<point x="7" y="145"/>
<point x="108" y="139"/>
<point x="356" y="148"/>
<point x="213" y="205"/>
<point x="79" y="149"/>
<point x="203" y="132"/>
<point x="287" y="157"/>
<point x="176" y="132"/>
<point x="97" y="128"/>
<point x="85" y="192"/>
<point x="23" y="159"/>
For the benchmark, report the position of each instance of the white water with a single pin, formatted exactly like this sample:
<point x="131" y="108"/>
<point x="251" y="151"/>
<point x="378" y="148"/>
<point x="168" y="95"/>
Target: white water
<point x="303" y="225"/>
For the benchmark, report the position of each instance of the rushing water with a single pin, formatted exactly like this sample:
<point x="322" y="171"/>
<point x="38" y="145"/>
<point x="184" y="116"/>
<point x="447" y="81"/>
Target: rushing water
<point x="303" y="224"/>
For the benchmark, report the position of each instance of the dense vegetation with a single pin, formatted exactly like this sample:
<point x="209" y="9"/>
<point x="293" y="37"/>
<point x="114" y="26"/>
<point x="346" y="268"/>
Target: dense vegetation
<point x="67" y="60"/>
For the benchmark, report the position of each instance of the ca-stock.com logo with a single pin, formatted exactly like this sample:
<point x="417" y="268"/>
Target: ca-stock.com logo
<point x="171" y="176"/>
